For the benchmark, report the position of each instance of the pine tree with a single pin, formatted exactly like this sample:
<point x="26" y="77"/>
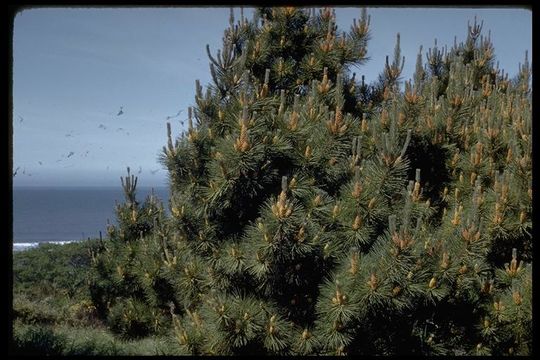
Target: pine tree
<point x="312" y="213"/>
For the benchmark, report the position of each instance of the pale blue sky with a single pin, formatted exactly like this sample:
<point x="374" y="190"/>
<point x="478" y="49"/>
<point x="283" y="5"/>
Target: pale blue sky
<point x="74" y="67"/>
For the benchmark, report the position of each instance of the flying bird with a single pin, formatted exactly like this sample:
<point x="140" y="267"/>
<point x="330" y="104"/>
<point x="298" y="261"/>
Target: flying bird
<point x="121" y="111"/>
<point x="122" y="129"/>
<point x="40" y="163"/>
<point x="20" y="119"/>
<point x="71" y="153"/>
<point x="101" y="126"/>
<point x="173" y="116"/>
<point x="140" y="170"/>
<point x="25" y="173"/>
<point x="15" y="172"/>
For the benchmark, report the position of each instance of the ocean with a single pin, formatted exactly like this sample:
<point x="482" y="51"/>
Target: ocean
<point x="66" y="214"/>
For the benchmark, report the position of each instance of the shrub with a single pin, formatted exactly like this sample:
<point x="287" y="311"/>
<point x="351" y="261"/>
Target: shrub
<point x="37" y="340"/>
<point x="131" y="319"/>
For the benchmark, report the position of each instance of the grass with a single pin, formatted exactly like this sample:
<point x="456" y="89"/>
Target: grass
<point x="69" y="340"/>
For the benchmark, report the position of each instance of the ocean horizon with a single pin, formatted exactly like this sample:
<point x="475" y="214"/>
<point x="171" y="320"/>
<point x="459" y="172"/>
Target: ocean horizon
<point x="64" y="214"/>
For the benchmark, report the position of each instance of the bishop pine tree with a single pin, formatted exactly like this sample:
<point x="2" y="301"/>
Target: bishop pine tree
<point x="311" y="213"/>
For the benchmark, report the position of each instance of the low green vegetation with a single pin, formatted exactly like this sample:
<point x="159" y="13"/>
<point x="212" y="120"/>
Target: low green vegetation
<point x="68" y="340"/>
<point x="49" y="269"/>
<point x="52" y="311"/>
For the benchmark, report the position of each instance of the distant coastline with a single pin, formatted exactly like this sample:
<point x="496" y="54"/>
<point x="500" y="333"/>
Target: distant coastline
<point x="24" y="246"/>
<point x="62" y="214"/>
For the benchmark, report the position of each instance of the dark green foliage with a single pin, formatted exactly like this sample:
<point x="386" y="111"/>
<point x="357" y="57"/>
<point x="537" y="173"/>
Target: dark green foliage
<point x="74" y="341"/>
<point x="50" y="268"/>
<point x="314" y="214"/>
<point x="50" y="287"/>
<point x="53" y="316"/>
<point x="132" y="319"/>
<point x="128" y="265"/>
<point x="36" y="340"/>
<point x="41" y="311"/>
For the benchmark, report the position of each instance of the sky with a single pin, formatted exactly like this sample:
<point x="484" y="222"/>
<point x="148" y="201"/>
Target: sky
<point x="76" y="69"/>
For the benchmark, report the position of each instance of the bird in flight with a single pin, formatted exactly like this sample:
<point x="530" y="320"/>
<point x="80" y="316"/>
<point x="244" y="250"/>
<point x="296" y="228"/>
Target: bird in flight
<point x="20" y="119"/>
<point x="140" y="170"/>
<point x="71" y="153"/>
<point x="123" y="130"/>
<point x="15" y="172"/>
<point x="121" y="111"/>
<point x="40" y="163"/>
<point x="173" y="116"/>
<point x="101" y="126"/>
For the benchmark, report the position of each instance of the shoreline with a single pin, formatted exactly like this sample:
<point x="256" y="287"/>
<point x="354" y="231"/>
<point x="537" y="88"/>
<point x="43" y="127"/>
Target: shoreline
<point x="21" y="246"/>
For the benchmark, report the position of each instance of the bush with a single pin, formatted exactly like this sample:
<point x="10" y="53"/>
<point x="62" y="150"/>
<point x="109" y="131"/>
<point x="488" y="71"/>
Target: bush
<point x="99" y="341"/>
<point x="37" y="340"/>
<point x="39" y="311"/>
<point x="131" y="319"/>
<point x="51" y="268"/>
<point x="83" y="313"/>
<point x="76" y="341"/>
